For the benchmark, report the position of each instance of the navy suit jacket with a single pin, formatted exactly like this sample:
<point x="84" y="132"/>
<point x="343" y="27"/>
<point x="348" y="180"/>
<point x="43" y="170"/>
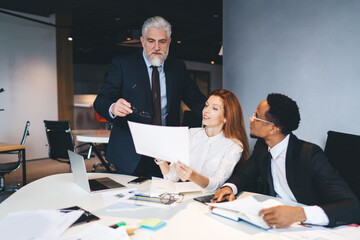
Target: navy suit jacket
<point x="128" y="78"/>
<point x="311" y="178"/>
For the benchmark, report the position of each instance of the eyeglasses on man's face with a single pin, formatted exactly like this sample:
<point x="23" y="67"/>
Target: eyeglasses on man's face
<point x="261" y="120"/>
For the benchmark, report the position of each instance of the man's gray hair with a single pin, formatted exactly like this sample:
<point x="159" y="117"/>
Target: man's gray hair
<point x="156" y="22"/>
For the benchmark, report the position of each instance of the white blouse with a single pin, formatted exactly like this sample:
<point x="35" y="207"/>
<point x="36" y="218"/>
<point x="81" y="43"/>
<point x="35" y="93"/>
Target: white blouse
<point x="213" y="157"/>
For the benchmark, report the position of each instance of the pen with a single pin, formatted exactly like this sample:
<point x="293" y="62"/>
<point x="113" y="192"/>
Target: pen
<point x="129" y="231"/>
<point x="118" y="225"/>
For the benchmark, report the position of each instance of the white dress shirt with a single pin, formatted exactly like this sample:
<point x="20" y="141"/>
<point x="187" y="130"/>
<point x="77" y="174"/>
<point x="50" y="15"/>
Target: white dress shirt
<point x="213" y="157"/>
<point x="314" y="214"/>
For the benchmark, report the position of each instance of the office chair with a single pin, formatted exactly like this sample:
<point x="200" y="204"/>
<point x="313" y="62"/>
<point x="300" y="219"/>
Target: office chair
<point x="343" y="153"/>
<point x="13" y="166"/>
<point x="60" y="140"/>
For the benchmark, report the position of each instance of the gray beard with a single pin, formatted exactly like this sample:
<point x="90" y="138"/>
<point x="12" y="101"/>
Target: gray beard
<point x="156" y="61"/>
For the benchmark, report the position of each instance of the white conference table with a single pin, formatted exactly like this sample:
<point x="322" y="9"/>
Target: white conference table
<point x="188" y="220"/>
<point x="93" y="136"/>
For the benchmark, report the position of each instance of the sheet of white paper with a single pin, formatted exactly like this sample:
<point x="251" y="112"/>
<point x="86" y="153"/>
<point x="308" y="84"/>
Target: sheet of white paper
<point x="184" y="187"/>
<point x="97" y="231"/>
<point x="159" y="186"/>
<point x="42" y="224"/>
<point x="166" y="143"/>
<point x="320" y="233"/>
<point x="114" y="201"/>
<point x="116" y="196"/>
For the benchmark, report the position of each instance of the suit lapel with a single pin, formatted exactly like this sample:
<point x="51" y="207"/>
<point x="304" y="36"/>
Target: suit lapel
<point x="169" y="77"/>
<point x="143" y="77"/>
<point x="290" y="165"/>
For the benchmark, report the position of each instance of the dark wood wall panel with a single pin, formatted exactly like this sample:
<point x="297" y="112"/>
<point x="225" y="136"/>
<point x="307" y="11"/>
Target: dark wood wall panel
<point x="65" y="74"/>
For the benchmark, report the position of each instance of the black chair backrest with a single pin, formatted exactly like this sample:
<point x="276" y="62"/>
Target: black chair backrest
<point x="343" y="153"/>
<point x="26" y="133"/>
<point x="60" y="138"/>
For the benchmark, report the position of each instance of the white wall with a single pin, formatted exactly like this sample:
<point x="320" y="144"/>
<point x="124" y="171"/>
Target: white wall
<point x="28" y="75"/>
<point x="308" y="50"/>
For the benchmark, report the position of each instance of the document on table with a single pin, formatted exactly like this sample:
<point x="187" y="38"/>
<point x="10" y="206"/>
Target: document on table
<point x="159" y="186"/>
<point x="41" y="224"/>
<point x="165" y="143"/>
<point x="319" y="233"/>
<point x="97" y="231"/>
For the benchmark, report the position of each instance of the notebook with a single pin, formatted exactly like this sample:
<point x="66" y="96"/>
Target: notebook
<point x="90" y="185"/>
<point x="245" y="209"/>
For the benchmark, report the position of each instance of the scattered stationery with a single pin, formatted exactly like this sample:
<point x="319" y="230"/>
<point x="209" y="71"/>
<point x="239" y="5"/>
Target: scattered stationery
<point x="245" y="209"/>
<point x="159" y="186"/>
<point x="152" y="224"/>
<point x="166" y="143"/>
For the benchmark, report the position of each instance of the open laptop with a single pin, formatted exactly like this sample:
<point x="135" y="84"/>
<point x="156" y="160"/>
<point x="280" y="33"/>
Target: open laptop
<point x="90" y="185"/>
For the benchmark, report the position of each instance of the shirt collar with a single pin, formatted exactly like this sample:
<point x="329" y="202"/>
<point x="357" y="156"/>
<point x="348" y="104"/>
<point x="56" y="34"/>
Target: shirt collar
<point x="280" y="147"/>
<point x="213" y="138"/>
<point x="148" y="64"/>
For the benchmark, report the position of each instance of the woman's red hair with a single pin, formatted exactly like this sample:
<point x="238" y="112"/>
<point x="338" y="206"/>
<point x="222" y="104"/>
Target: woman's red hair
<point x="234" y="128"/>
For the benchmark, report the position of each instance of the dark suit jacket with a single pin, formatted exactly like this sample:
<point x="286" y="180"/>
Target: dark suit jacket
<point x="311" y="179"/>
<point x="128" y="78"/>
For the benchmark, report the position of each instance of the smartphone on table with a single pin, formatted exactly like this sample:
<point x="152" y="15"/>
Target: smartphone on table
<point x="139" y="180"/>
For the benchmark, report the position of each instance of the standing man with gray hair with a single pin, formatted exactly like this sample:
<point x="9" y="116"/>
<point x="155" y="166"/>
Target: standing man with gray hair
<point x="145" y="87"/>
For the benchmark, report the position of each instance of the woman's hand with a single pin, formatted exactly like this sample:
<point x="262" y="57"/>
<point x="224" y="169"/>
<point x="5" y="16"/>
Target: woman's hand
<point x="159" y="161"/>
<point x="164" y="166"/>
<point x="184" y="172"/>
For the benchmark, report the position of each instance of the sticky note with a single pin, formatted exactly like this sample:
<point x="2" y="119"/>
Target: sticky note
<point x="152" y="224"/>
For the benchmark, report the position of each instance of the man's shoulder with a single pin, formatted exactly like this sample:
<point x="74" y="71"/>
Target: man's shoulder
<point x="174" y="62"/>
<point x="302" y="144"/>
<point x="304" y="150"/>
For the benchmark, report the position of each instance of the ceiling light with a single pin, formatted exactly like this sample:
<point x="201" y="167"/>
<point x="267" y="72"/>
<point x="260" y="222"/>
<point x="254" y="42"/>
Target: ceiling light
<point x="212" y="62"/>
<point x="70" y="39"/>
<point x="178" y="42"/>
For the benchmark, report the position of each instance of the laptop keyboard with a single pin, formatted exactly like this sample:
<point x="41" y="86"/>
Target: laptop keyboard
<point x="95" y="185"/>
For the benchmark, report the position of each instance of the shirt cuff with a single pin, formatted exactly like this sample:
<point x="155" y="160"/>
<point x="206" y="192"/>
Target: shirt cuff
<point x="212" y="186"/>
<point x="233" y="187"/>
<point x="111" y="115"/>
<point x="315" y="215"/>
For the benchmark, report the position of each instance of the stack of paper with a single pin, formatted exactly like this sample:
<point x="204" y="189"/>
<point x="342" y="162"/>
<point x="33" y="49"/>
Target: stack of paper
<point x="246" y="209"/>
<point x="41" y="224"/>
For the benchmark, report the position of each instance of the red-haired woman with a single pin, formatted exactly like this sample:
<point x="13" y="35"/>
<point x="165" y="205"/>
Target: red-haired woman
<point x="216" y="148"/>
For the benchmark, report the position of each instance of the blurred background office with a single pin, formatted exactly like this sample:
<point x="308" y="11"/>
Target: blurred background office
<point x="308" y="50"/>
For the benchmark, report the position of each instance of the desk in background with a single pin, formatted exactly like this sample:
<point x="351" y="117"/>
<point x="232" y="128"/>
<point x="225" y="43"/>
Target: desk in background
<point x="9" y="148"/>
<point x="94" y="137"/>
